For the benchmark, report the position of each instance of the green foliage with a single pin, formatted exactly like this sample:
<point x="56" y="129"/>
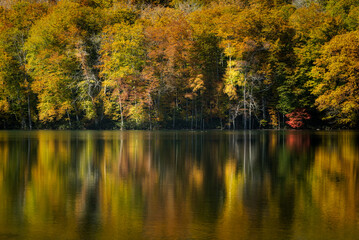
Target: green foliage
<point x="177" y="63"/>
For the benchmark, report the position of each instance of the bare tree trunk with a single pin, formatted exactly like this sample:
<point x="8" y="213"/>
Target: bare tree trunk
<point x="186" y="112"/>
<point x="23" y="124"/>
<point x="29" y="110"/>
<point x="229" y="119"/>
<point x="250" y="108"/>
<point x="174" y="118"/>
<point x="263" y="109"/>
<point x="244" y="106"/>
<point x="195" y="109"/>
<point x="68" y="115"/>
<point x="149" y="115"/>
<point x="174" y="114"/>
<point x="76" y="114"/>
<point x="210" y="113"/>
<point x="158" y="105"/>
<point x="250" y="116"/>
<point x="283" y="120"/>
<point x="201" y="119"/>
<point x="279" y="120"/>
<point x="121" y="111"/>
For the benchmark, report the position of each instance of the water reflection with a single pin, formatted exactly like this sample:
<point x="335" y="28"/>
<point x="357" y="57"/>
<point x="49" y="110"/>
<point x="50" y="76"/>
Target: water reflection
<point x="179" y="185"/>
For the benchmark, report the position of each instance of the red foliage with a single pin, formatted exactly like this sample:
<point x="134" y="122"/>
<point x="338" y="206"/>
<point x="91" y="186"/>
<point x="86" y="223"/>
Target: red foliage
<point x="297" y="117"/>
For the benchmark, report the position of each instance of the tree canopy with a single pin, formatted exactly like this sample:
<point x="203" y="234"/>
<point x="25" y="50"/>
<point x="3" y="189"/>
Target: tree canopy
<point x="191" y="64"/>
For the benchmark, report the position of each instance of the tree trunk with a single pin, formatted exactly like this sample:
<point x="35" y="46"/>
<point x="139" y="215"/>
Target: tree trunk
<point x="251" y="101"/>
<point x="192" y="115"/>
<point x="23" y="123"/>
<point x="201" y="122"/>
<point x="250" y="113"/>
<point x="210" y="114"/>
<point x="186" y="112"/>
<point x="244" y="107"/>
<point x="29" y="111"/>
<point x="149" y="116"/>
<point x="263" y="108"/>
<point x="174" y="118"/>
<point x="68" y="115"/>
<point x="229" y="119"/>
<point x="174" y="114"/>
<point x="195" y="109"/>
<point x="158" y="105"/>
<point x="121" y="111"/>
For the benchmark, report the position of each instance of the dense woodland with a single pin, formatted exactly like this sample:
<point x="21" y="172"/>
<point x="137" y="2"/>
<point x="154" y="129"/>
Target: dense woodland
<point x="189" y="64"/>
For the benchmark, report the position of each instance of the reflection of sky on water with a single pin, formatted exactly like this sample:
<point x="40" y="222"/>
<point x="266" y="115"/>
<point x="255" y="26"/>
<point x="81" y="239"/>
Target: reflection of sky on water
<point x="179" y="185"/>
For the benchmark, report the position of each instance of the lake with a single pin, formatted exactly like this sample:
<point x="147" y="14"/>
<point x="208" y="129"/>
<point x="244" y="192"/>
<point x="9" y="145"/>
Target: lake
<point x="179" y="185"/>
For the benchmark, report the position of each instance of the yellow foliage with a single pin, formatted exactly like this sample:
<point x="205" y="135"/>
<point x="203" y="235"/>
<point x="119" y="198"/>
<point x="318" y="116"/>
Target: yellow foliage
<point x="4" y="106"/>
<point x="273" y="118"/>
<point x="337" y="68"/>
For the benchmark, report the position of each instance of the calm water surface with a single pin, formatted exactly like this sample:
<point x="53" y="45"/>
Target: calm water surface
<point x="179" y="185"/>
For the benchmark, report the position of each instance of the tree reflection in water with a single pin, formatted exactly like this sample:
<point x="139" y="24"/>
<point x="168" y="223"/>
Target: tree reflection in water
<point x="179" y="185"/>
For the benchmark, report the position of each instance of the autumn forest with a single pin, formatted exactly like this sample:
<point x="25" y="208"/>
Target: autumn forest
<point x="180" y="64"/>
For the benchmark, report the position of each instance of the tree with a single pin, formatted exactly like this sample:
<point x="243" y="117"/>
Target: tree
<point x="312" y="27"/>
<point x="176" y="63"/>
<point x="123" y="58"/>
<point x="297" y="117"/>
<point x="16" y="96"/>
<point x="255" y="40"/>
<point x="61" y="59"/>
<point x="208" y="56"/>
<point x="337" y="73"/>
<point x="169" y="67"/>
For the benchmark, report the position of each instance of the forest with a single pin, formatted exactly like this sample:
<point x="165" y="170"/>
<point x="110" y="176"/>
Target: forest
<point x="179" y="64"/>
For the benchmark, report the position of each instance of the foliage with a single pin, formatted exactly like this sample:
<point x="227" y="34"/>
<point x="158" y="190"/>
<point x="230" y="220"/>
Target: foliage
<point x="177" y="64"/>
<point x="123" y="57"/>
<point x="337" y="70"/>
<point x="296" y="118"/>
<point x="16" y="99"/>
